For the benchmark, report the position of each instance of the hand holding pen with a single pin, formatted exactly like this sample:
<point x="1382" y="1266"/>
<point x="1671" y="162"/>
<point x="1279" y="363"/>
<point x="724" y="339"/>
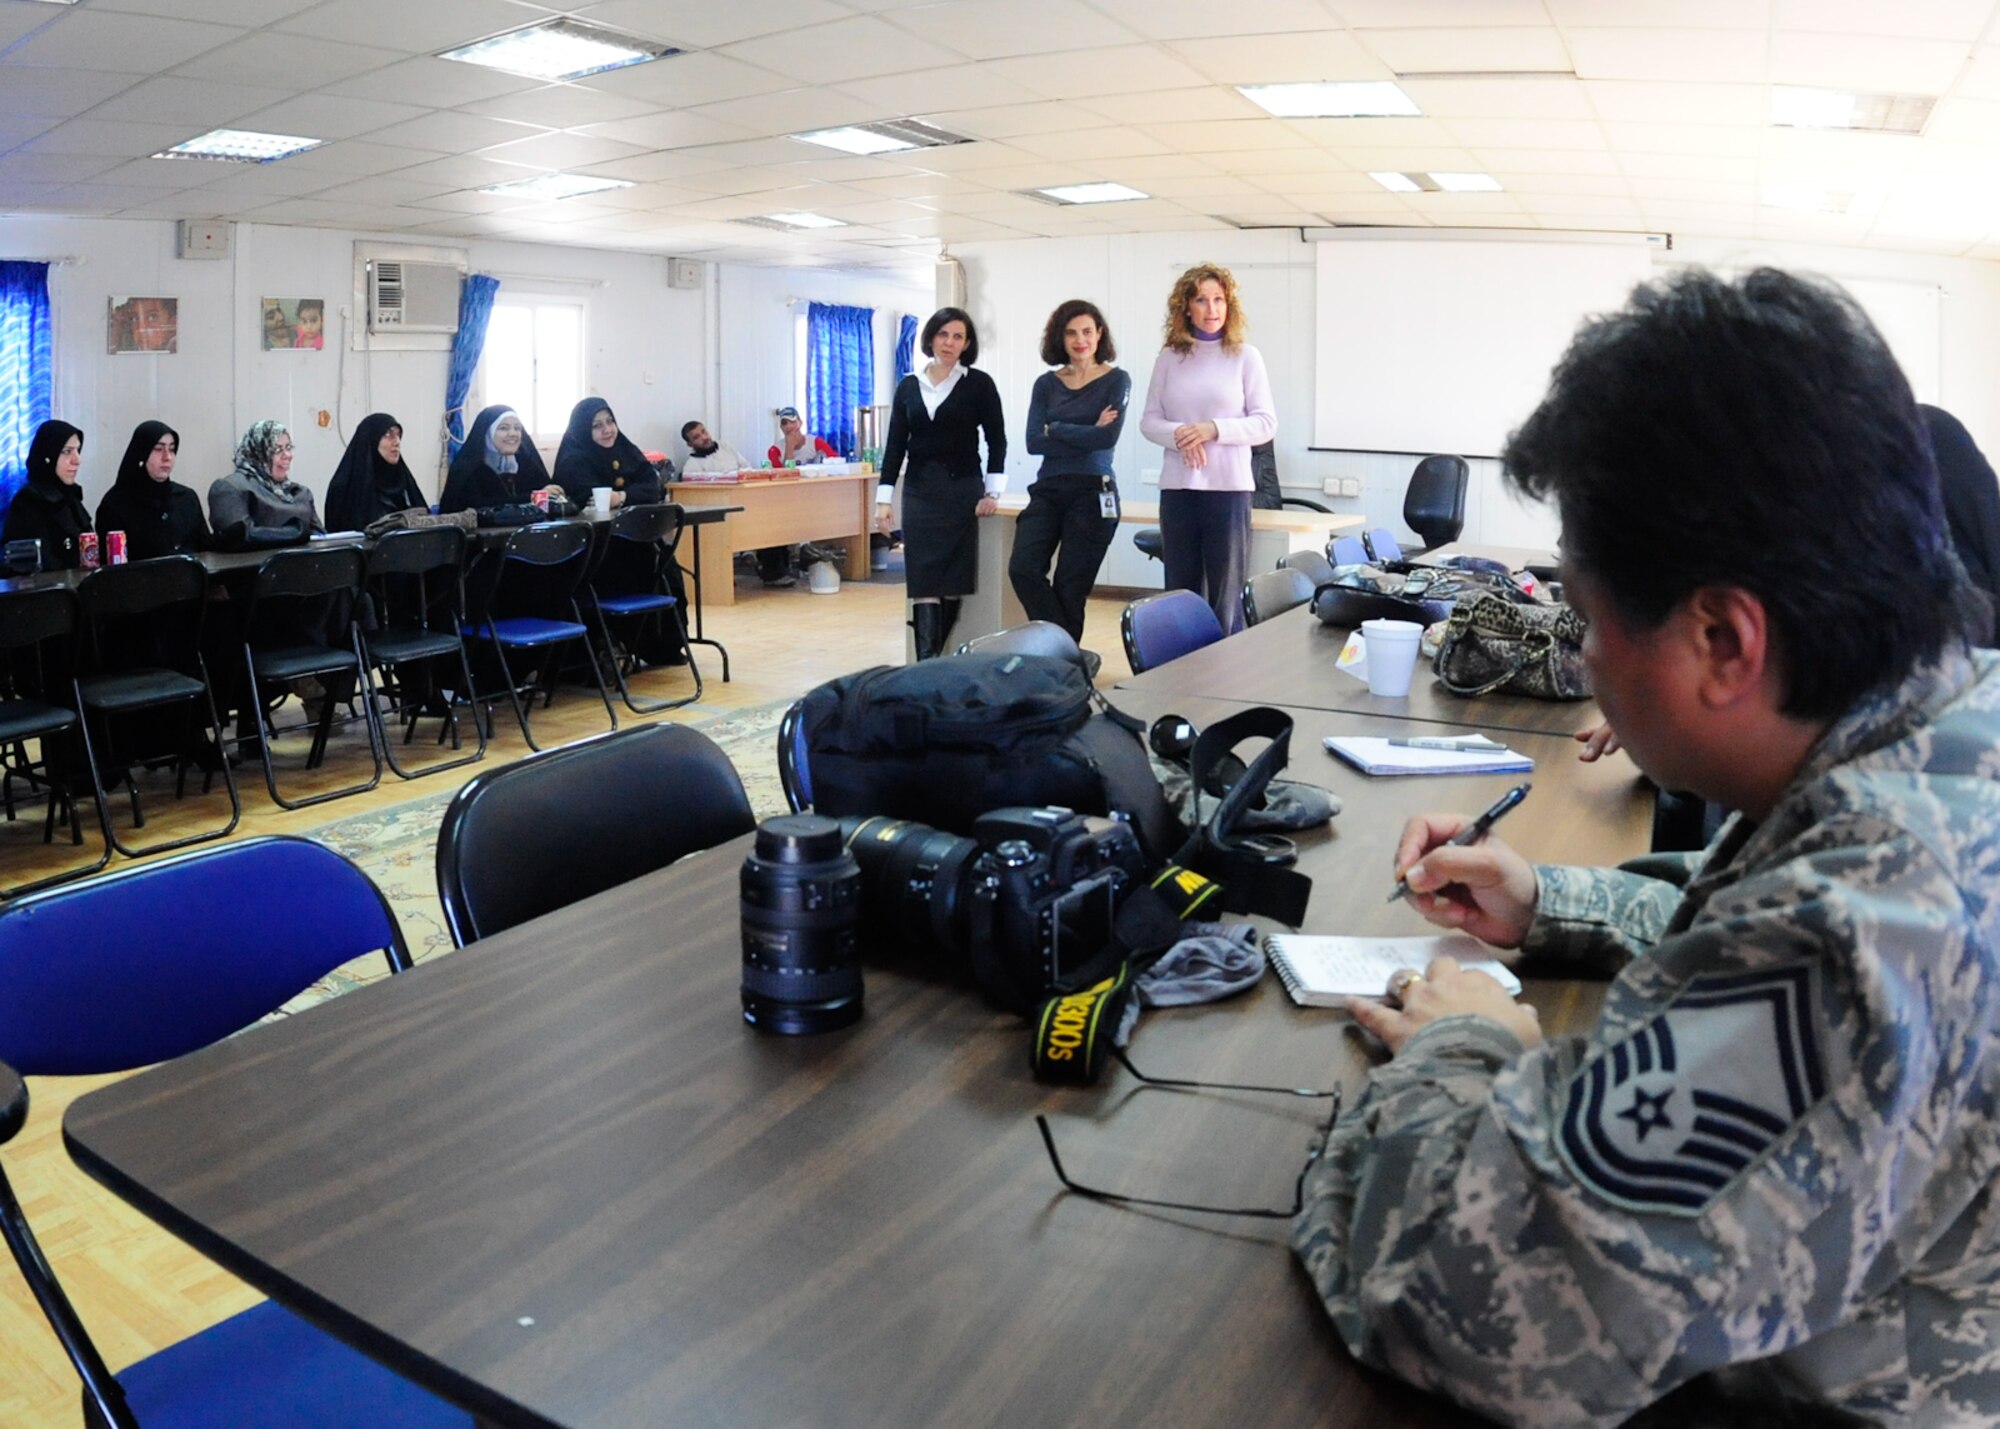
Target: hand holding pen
<point x="1457" y="877"/>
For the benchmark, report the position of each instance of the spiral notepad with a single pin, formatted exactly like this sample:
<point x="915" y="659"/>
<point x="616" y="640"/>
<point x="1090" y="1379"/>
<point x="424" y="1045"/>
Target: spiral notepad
<point x="1324" y="972"/>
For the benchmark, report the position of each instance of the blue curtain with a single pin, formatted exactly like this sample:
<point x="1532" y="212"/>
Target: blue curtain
<point x="475" y="307"/>
<point x="840" y="370"/>
<point x="27" y="368"/>
<point x="906" y="348"/>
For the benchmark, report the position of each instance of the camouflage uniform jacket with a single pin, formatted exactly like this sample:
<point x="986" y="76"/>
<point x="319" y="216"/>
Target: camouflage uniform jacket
<point x="1777" y="1150"/>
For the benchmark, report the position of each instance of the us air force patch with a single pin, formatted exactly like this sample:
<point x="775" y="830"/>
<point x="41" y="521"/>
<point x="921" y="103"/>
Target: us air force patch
<point x="1665" y="1119"/>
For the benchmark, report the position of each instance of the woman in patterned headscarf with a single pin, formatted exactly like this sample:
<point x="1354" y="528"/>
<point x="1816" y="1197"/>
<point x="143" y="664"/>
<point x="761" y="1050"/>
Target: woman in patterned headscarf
<point x="257" y="506"/>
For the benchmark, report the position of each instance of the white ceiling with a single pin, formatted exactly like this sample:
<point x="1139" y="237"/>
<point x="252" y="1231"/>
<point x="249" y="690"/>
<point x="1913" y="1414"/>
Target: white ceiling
<point x="1656" y="120"/>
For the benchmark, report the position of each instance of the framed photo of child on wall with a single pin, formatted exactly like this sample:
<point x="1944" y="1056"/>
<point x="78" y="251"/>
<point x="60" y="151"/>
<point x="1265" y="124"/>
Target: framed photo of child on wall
<point x="294" y="322"/>
<point x="143" y="325"/>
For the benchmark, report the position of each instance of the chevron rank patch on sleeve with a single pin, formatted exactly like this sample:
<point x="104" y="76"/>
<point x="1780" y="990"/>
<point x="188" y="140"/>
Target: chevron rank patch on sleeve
<point x="1664" y="1120"/>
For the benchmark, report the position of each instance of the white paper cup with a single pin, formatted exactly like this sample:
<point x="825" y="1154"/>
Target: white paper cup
<point x="600" y="500"/>
<point x="1392" y="655"/>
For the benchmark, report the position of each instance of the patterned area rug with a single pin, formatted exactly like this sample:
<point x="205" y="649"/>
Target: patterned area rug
<point x="397" y="845"/>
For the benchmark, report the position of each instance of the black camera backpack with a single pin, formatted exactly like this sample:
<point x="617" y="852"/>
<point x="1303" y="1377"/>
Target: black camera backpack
<point x="943" y="741"/>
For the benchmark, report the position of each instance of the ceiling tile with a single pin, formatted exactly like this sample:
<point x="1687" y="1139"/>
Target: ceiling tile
<point x="19" y="20"/>
<point x="1109" y="143"/>
<point x="1200" y="19"/>
<point x="684" y="80"/>
<point x="1428" y="161"/>
<point x="57" y="93"/>
<point x="560" y="106"/>
<point x="1701" y="168"/>
<point x="794" y="111"/>
<point x="1574" y="205"/>
<point x="1882" y="64"/>
<point x="103" y="136"/>
<point x="200" y="104"/>
<point x="267" y="53"/>
<point x="562" y="151"/>
<point x="1663" y="14"/>
<point x="1527" y="133"/>
<point x="53" y="168"/>
<point x="1526" y="48"/>
<point x="1211" y="102"/>
<point x="358" y="156"/>
<point x="433" y="25"/>
<point x="1367" y="133"/>
<point x="1676" y="56"/>
<point x="994" y="29"/>
<point x="453" y="132"/>
<point x="1237" y="134"/>
<point x="1961" y="20"/>
<point x="855" y="48"/>
<point x="1122" y="69"/>
<point x="1645" y="102"/>
<point x="465" y="171"/>
<point x="1457" y="14"/>
<point x="1690" y="141"/>
<point x="1528" y="182"/>
<point x="383" y="190"/>
<point x="1546" y="161"/>
<point x="1291" y="58"/>
<point x="1500" y="98"/>
<point x="1010" y="121"/>
<point x="83" y="39"/>
<point x="677" y="130"/>
<point x="442" y="83"/>
<point x="247" y="13"/>
<point x="326" y="116"/>
<point x="272" y="180"/>
<point x="705" y="24"/>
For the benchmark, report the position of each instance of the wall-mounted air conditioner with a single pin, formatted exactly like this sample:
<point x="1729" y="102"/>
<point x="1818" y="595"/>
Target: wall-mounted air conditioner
<point x="409" y="296"/>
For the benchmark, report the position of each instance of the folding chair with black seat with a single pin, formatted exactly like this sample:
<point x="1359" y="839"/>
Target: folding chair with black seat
<point x="38" y="630"/>
<point x="540" y="570"/>
<point x="1347" y="551"/>
<point x="548" y="831"/>
<point x="1165" y="627"/>
<point x="157" y="962"/>
<point x="629" y="585"/>
<point x="415" y="581"/>
<point x="298" y="598"/>
<point x="142" y="652"/>
<point x="1274" y="593"/>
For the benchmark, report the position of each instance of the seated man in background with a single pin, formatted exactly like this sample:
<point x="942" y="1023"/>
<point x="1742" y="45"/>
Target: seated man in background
<point x="1762" y="1189"/>
<point x="705" y="453"/>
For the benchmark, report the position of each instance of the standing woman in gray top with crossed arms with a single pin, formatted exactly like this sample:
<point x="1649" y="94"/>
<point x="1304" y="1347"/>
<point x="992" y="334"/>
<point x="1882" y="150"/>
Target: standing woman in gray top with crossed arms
<point x="1074" y="418"/>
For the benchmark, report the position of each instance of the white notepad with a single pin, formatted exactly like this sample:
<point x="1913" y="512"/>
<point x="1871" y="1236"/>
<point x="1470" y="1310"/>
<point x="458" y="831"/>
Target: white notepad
<point x="1323" y="972"/>
<point x="1378" y="756"/>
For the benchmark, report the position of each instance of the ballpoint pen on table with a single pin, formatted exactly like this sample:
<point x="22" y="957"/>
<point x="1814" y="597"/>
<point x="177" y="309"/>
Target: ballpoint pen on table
<point x="1458" y="743"/>
<point x="1473" y="832"/>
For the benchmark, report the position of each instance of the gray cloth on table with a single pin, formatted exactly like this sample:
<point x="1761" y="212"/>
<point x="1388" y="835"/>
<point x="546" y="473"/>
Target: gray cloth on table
<point x="1211" y="962"/>
<point x="1288" y="804"/>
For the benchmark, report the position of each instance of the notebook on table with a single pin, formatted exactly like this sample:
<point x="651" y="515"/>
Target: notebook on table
<point x="1324" y="972"/>
<point x="1380" y="757"/>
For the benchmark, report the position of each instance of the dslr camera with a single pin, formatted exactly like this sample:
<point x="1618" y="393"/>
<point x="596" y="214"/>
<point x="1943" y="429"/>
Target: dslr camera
<point x="1025" y="905"/>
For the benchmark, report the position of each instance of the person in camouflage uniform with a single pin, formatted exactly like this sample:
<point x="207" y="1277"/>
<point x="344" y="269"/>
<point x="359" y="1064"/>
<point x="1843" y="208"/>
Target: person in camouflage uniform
<point x="1762" y="1189"/>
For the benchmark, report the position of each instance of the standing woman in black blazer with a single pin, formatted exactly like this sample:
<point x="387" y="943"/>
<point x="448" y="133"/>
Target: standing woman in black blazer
<point x="935" y="420"/>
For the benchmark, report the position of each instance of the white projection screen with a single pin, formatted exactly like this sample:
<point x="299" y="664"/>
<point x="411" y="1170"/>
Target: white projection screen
<point x="1445" y="345"/>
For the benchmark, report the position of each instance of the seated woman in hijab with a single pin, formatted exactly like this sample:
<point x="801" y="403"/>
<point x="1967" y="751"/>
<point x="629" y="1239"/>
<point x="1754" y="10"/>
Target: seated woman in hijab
<point x="257" y="506"/>
<point x="498" y="473"/>
<point x="158" y="515"/>
<point x="372" y="480"/>
<point x="595" y="453"/>
<point x="50" y="507"/>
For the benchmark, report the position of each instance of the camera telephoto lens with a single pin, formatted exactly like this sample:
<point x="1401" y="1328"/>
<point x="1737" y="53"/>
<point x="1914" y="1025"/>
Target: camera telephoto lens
<point x="800" y="896"/>
<point x="913" y="882"/>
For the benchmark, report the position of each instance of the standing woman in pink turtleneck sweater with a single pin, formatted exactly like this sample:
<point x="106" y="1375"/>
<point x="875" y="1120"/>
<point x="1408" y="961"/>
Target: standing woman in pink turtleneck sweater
<point x="1209" y="402"/>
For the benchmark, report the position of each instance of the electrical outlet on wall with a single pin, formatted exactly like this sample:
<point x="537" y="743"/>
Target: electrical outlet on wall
<point x="1150" y="476"/>
<point x="1350" y="486"/>
<point x="1331" y="486"/>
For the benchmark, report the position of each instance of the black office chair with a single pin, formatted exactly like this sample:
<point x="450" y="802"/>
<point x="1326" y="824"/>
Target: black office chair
<point x="553" y="829"/>
<point x="1434" y="504"/>
<point x="630" y="585"/>
<point x="415" y="580"/>
<point x="1313" y="564"/>
<point x="540" y="570"/>
<point x="1274" y="593"/>
<point x="38" y="631"/>
<point x="142" y="651"/>
<point x="297" y="599"/>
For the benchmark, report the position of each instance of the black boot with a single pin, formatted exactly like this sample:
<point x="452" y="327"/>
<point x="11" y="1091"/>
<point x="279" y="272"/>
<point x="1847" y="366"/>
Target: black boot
<point x="927" y="619"/>
<point x="949" y="605"/>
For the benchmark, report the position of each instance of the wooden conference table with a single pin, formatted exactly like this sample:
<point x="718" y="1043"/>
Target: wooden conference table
<point x="555" y="1178"/>
<point x="782" y="511"/>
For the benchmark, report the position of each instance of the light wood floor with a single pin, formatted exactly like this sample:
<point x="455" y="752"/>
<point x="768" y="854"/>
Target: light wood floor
<point x="136" y="1287"/>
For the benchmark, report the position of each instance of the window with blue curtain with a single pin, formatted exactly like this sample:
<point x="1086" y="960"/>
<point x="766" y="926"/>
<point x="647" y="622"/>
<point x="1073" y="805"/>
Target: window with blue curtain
<point x="475" y="310"/>
<point x="840" y="370"/>
<point x="906" y="347"/>
<point x="27" y="368"/>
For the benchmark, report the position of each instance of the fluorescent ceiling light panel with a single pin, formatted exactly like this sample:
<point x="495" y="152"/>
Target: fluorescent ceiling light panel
<point x="805" y="220"/>
<point x="556" y="186"/>
<point x="1341" y="99"/>
<point x="241" y="146"/>
<point x="1397" y="183"/>
<point x="1467" y="183"/>
<point x="1808" y="200"/>
<point x="889" y="137"/>
<point x="560" y="49"/>
<point x="1090" y="193"/>
<point x="1798" y="107"/>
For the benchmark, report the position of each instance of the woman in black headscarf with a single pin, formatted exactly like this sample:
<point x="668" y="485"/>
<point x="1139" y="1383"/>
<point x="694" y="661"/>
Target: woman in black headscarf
<point x="50" y="507"/>
<point x="595" y="453"/>
<point x="372" y="480"/>
<point x="158" y="515"/>
<point x="497" y="472"/>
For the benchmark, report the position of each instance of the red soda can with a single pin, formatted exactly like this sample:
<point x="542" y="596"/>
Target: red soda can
<point x="541" y="500"/>
<point x="114" y="547"/>
<point x="86" y="545"/>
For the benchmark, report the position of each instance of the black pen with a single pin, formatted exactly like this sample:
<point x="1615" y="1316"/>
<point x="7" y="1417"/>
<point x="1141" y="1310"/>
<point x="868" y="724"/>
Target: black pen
<point x="1478" y="829"/>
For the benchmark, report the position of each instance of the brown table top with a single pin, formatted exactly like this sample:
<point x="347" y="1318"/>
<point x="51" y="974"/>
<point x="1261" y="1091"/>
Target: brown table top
<point x="1291" y="660"/>
<point x="555" y="1176"/>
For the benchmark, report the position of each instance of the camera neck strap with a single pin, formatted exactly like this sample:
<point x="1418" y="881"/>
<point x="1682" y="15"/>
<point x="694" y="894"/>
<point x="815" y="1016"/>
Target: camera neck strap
<point x="1255" y="869"/>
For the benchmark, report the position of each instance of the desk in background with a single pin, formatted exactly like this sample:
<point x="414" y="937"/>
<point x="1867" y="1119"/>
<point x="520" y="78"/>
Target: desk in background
<point x="780" y="512"/>
<point x="555" y="1178"/>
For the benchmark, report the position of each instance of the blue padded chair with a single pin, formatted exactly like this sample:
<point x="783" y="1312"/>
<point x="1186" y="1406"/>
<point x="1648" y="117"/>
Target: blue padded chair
<point x="1382" y="547"/>
<point x="156" y="962"/>
<point x="542" y="833"/>
<point x="1165" y="627"/>
<point x="794" y="775"/>
<point x="550" y="557"/>
<point x="1347" y="551"/>
<point x="630" y="583"/>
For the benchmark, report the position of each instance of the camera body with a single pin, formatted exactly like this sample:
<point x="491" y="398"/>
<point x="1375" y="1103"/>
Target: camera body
<point x="1024" y="905"/>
